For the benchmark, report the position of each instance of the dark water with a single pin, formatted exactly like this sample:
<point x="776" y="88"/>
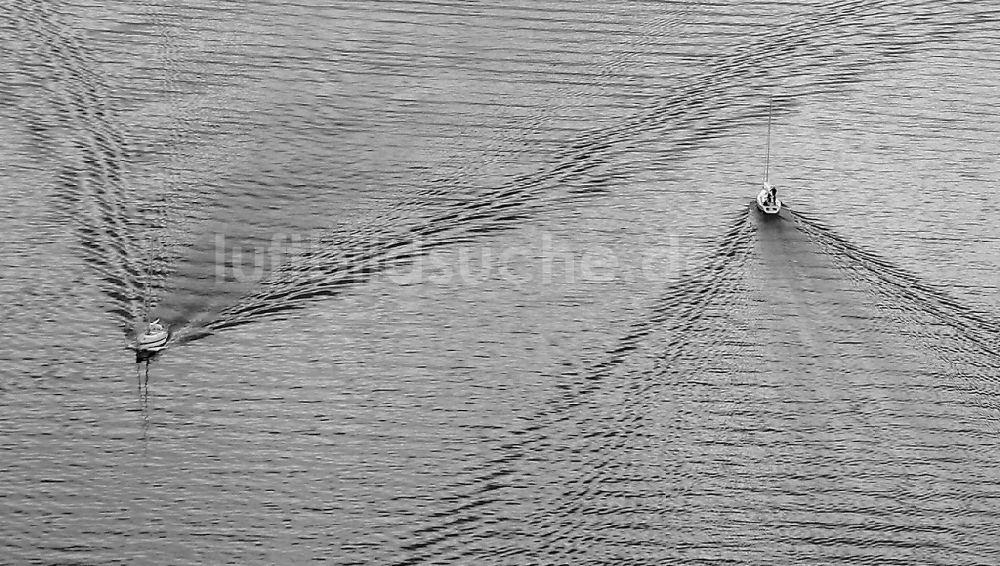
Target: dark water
<point x="460" y="283"/>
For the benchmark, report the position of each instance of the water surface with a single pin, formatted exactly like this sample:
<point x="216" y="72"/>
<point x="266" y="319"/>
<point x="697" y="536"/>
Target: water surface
<point x="456" y="283"/>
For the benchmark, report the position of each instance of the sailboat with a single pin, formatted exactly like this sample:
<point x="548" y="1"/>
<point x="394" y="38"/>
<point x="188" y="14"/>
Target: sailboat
<point x="156" y="336"/>
<point x="767" y="198"/>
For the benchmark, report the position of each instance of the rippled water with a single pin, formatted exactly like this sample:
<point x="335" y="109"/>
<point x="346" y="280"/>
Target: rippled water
<point x="461" y="283"/>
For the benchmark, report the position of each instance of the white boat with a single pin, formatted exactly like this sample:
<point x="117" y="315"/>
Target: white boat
<point x="767" y="198"/>
<point x="156" y="336"/>
<point x="154" y="339"/>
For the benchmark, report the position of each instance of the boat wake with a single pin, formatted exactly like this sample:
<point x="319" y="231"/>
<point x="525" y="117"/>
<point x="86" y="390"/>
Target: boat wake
<point x="784" y="318"/>
<point x="943" y="324"/>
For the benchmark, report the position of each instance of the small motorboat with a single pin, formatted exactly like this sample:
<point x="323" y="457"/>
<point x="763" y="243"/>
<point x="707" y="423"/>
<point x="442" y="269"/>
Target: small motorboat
<point x="151" y="341"/>
<point x="767" y="199"/>
<point x="154" y="338"/>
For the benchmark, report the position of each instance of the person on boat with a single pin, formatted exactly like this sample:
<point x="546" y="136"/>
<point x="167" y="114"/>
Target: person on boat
<point x="773" y="195"/>
<point x="154" y="327"/>
<point x="769" y="194"/>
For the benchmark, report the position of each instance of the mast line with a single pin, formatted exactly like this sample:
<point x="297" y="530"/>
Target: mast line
<point x="767" y="158"/>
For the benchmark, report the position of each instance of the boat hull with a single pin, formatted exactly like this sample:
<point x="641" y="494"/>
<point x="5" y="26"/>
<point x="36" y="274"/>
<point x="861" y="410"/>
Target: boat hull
<point x="148" y="345"/>
<point x="770" y="208"/>
<point x="153" y="342"/>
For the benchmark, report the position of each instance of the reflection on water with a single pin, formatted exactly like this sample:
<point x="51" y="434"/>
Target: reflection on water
<point x="297" y="191"/>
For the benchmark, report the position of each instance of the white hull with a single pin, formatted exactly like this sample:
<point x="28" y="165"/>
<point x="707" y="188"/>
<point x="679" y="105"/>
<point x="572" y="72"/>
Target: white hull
<point x="154" y="339"/>
<point x="153" y="342"/>
<point x="766" y="207"/>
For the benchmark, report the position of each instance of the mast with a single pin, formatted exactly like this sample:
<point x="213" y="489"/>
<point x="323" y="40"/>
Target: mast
<point x="149" y="268"/>
<point x="767" y="158"/>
